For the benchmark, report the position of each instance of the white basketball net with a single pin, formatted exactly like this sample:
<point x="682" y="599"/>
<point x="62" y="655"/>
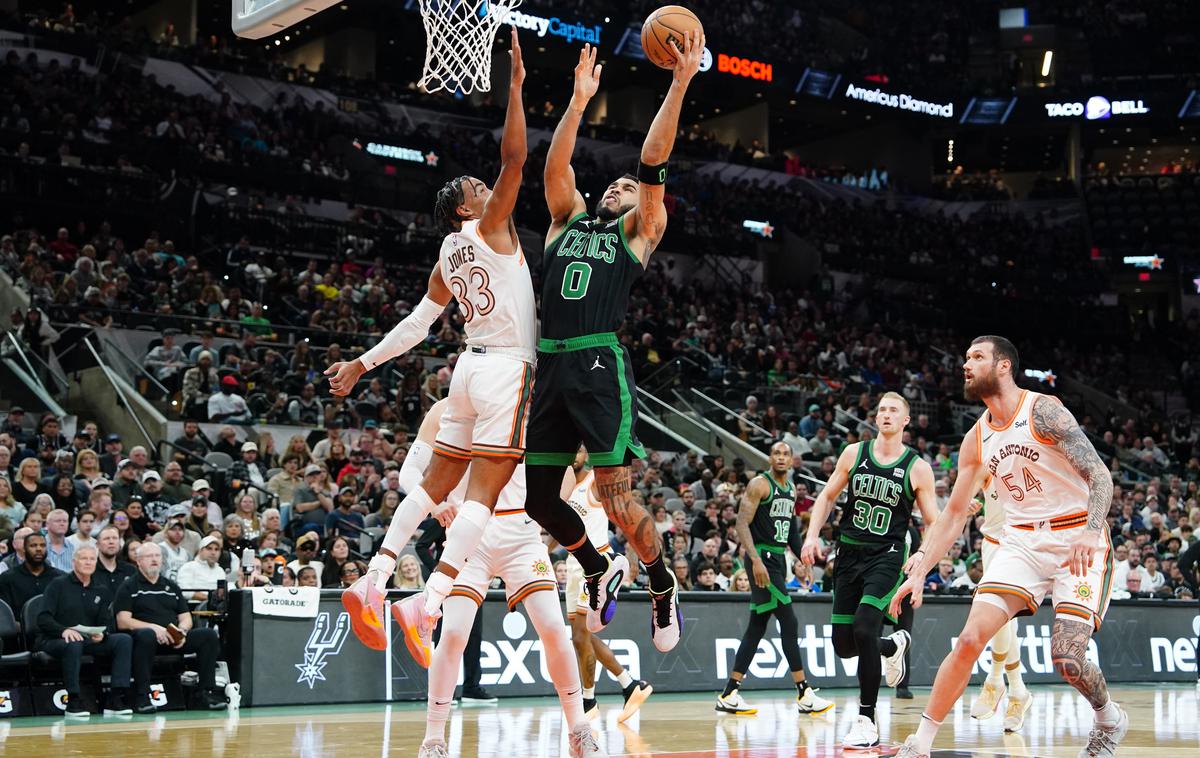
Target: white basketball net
<point x="459" y="36"/>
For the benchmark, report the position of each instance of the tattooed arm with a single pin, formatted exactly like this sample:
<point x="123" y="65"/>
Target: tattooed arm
<point x="754" y="494"/>
<point x="1053" y="422"/>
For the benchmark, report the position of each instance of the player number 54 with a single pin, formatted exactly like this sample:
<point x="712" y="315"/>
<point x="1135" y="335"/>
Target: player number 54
<point x="1032" y="484"/>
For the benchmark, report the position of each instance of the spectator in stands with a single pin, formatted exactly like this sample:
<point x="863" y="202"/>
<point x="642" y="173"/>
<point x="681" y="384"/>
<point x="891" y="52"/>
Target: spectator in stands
<point x="307" y="546"/>
<point x="154" y="505"/>
<point x="408" y="574"/>
<point x="343" y="520"/>
<point x="249" y="470"/>
<point x="28" y="484"/>
<point x="820" y="444"/>
<point x="126" y="484"/>
<point x="7" y="471"/>
<point x="709" y="551"/>
<point x="203" y="513"/>
<point x="174" y="489"/>
<point x="110" y="569"/>
<point x="285" y="483"/>
<point x="306" y="409"/>
<point x="307" y="576"/>
<point x="200" y="576"/>
<point x="227" y="442"/>
<point x="333" y="434"/>
<point x="87" y="467"/>
<point x="10" y="509"/>
<point x="193" y="441"/>
<point x="812" y="422"/>
<point x="17" y="556"/>
<point x="234" y="535"/>
<point x="30" y="578"/>
<point x="802" y="581"/>
<point x="74" y="599"/>
<point x="337" y="553"/>
<point x="940" y="579"/>
<point x="970" y="579"/>
<point x="199" y="384"/>
<point x="706" y="578"/>
<point x="312" y="502"/>
<point x="152" y="608"/>
<point x="246" y="509"/>
<point x="227" y="405"/>
<point x="707" y="522"/>
<point x="682" y="572"/>
<point x="112" y="456"/>
<point x="166" y="360"/>
<point x="174" y="552"/>
<point x="83" y="530"/>
<point x="59" y="551"/>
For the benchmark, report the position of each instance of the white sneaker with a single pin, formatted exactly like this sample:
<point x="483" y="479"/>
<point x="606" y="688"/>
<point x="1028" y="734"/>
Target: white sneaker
<point x="811" y="702"/>
<point x="734" y="704"/>
<point x="666" y="622"/>
<point x="433" y="750"/>
<point x="602" y="593"/>
<point x="893" y="665"/>
<point x="909" y="749"/>
<point x="988" y="702"/>
<point x="863" y="734"/>
<point x="1103" y="739"/>
<point x="582" y="743"/>
<point x="1014" y="715"/>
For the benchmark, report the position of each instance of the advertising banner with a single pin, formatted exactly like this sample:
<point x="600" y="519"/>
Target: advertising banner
<point x="320" y="661"/>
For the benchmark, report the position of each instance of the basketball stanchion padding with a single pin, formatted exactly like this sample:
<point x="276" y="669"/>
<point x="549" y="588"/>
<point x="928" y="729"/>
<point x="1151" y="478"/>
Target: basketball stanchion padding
<point x="458" y="49"/>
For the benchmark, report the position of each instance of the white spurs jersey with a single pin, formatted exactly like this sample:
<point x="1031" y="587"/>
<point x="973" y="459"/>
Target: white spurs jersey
<point x="591" y="510"/>
<point x="993" y="511"/>
<point x="1032" y="480"/>
<point x="494" y="291"/>
<point x="510" y="525"/>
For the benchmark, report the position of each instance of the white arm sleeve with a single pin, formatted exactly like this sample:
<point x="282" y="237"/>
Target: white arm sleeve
<point x="404" y="336"/>
<point x="415" y="463"/>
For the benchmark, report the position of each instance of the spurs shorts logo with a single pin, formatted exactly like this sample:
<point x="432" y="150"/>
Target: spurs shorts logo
<point x="158" y="695"/>
<point x="1083" y="591"/>
<point x="541" y="568"/>
<point x="60" y="700"/>
<point x="6" y="703"/>
<point x="324" y="642"/>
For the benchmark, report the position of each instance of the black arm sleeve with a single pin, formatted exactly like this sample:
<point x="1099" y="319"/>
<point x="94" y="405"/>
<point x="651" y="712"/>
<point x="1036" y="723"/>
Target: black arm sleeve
<point x="795" y="541"/>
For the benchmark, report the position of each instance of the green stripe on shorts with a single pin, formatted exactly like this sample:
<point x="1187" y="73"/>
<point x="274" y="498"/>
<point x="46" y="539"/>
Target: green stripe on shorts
<point x="549" y="459"/>
<point x="624" y="441"/>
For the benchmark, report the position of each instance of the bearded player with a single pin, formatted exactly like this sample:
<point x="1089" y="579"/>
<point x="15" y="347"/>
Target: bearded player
<point x="766" y="527"/>
<point x="886" y="479"/>
<point x="584" y="393"/>
<point x="1056" y="492"/>
<point x="511" y="549"/>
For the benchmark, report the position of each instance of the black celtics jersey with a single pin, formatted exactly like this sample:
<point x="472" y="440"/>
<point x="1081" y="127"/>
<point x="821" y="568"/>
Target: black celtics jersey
<point x="773" y="521"/>
<point x="586" y="275"/>
<point x="881" y="498"/>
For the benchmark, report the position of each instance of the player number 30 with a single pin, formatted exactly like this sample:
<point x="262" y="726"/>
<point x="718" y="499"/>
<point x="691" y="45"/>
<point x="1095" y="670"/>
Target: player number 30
<point x="871" y="518"/>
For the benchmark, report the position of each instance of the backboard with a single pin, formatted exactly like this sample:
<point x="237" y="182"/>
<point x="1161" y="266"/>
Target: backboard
<point x="256" y="19"/>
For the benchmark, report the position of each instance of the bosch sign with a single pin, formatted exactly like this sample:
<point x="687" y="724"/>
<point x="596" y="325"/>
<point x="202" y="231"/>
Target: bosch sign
<point x="731" y="64"/>
<point x="1097" y="108"/>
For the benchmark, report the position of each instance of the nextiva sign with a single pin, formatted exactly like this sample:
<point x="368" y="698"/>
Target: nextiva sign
<point x="555" y="27"/>
<point x="902" y="101"/>
<point x="1097" y="108"/>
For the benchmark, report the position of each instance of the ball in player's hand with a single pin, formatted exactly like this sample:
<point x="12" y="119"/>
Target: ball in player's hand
<point x="664" y="32"/>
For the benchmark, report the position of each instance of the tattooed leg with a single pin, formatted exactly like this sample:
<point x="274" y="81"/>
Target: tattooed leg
<point x="612" y="484"/>
<point x="1068" y="648"/>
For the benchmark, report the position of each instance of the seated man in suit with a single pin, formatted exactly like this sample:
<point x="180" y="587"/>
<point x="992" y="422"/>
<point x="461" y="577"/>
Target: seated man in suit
<point x="30" y="578"/>
<point x="153" y="610"/>
<point x="75" y="600"/>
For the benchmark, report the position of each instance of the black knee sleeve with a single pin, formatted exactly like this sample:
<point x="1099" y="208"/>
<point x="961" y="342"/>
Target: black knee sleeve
<point x="750" y="639"/>
<point x="843" y="641"/>
<point x="543" y="504"/>
<point x="868" y="623"/>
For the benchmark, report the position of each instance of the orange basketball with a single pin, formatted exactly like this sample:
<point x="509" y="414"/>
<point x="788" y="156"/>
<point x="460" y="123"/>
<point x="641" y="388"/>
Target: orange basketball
<point x="664" y="32"/>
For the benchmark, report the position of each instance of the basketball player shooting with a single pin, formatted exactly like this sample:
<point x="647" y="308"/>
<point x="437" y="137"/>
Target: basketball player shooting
<point x="481" y="266"/>
<point x="1056" y="492"/>
<point x="584" y="391"/>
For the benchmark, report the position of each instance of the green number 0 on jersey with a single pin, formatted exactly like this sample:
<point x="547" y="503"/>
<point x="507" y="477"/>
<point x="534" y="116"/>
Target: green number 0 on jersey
<point x="575" y="280"/>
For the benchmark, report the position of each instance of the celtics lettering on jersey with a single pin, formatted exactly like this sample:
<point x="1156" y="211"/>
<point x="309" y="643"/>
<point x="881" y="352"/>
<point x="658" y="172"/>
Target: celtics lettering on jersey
<point x="772" y="522"/>
<point x="881" y="498"/>
<point x="587" y="272"/>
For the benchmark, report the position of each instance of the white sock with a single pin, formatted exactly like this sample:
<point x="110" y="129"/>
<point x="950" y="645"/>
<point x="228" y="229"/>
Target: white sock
<point x="405" y="520"/>
<point x="546" y="614"/>
<point x="464" y="534"/>
<point x="457" y="619"/>
<point x="926" y="731"/>
<point x="995" y="675"/>
<point x="437" y="589"/>
<point x="1016" y="683"/>
<point x="1109" y="715"/>
<point x="624" y="679"/>
<point x="589" y="693"/>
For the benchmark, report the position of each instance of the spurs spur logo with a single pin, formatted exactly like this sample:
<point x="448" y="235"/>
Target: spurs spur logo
<point x="323" y="643"/>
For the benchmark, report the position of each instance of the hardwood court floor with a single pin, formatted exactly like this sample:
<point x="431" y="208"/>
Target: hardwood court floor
<point x="1165" y="723"/>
